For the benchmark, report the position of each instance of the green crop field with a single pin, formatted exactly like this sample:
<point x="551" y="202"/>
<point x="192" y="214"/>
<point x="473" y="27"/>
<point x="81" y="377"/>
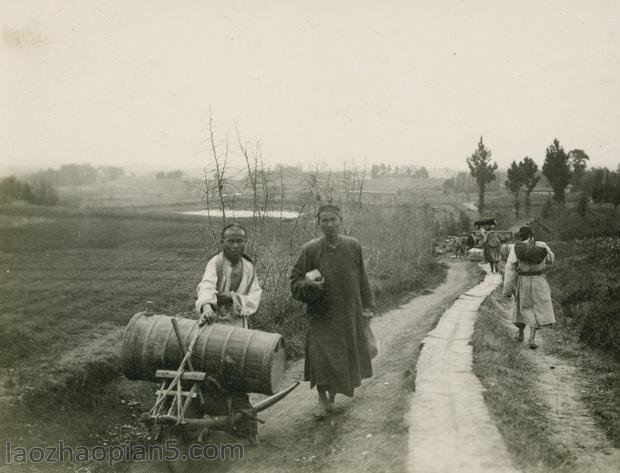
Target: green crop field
<point x="65" y="275"/>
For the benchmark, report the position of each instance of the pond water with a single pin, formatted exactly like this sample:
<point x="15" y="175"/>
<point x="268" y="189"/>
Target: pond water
<point x="242" y="213"/>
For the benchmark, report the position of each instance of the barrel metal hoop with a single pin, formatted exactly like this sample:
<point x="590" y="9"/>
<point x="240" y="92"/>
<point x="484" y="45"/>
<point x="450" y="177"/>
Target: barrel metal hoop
<point x="224" y="346"/>
<point x="207" y="333"/>
<point x="165" y="348"/>
<point x="245" y="350"/>
<point x="189" y="338"/>
<point x="146" y="343"/>
<point x="266" y="356"/>
<point x="130" y="340"/>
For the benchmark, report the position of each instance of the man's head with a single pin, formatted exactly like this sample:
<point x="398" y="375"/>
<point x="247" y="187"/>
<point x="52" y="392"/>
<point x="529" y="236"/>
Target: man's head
<point x="525" y="233"/>
<point x="329" y="218"/>
<point x="233" y="241"/>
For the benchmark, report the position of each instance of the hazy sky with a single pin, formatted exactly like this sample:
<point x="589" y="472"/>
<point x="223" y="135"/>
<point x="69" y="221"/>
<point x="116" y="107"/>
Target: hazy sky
<point x="407" y="82"/>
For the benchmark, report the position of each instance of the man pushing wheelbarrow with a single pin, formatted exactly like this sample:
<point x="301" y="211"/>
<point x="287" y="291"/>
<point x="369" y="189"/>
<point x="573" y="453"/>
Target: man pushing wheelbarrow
<point x="207" y="367"/>
<point x="227" y="294"/>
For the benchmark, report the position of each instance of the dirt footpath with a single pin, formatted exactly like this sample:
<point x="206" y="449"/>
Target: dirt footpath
<point x="368" y="432"/>
<point x="570" y="425"/>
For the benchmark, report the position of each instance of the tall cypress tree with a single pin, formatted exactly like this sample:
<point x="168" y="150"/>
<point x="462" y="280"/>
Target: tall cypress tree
<point x="482" y="170"/>
<point x="514" y="184"/>
<point x="557" y="170"/>
<point x="530" y="177"/>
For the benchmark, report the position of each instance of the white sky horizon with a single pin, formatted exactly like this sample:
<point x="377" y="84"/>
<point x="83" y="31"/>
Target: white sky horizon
<point x="131" y="83"/>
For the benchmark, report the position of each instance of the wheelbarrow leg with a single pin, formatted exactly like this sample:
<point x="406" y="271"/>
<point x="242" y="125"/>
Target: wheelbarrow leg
<point x="171" y="433"/>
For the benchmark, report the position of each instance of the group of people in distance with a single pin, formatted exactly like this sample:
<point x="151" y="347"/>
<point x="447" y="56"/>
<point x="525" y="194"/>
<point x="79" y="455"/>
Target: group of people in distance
<point x="484" y="238"/>
<point x="330" y="278"/>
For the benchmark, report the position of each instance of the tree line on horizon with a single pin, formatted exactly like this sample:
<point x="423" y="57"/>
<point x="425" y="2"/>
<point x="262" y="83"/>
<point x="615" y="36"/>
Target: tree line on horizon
<point x="378" y="171"/>
<point x="560" y="169"/>
<point x="38" y="193"/>
<point x="77" y="175"/>
<point x="39" y="188"/>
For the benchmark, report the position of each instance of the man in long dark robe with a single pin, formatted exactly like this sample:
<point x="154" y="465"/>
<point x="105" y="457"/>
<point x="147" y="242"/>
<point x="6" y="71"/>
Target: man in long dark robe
<point x="330" y="277"/>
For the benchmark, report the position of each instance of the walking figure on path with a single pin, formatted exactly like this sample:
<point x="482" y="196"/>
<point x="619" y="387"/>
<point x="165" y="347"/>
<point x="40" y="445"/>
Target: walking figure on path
<point x="330" y="277"/>
<point x="491" y="243"/>
<point x="525" y="278"/>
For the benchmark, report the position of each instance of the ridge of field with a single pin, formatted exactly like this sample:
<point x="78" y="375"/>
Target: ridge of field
<point x="147" y="191"/>
<point x="139" y="191"/>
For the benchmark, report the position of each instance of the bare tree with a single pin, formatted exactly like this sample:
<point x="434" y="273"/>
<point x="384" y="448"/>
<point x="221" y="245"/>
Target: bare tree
<point x="207" y="198"/>
<point x="220" y="166"/>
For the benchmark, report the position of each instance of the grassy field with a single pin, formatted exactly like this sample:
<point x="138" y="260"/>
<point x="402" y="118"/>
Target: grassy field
<point x="586" y="289"/>
<point x="67" y="275"/>
<point x="586" y="293"/>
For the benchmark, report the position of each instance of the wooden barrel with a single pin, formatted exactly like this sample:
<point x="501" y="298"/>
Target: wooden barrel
<point x="250" y="360"/>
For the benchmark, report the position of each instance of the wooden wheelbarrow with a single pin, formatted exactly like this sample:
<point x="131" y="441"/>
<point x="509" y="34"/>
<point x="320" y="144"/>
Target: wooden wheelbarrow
<point x="181" y="410"/>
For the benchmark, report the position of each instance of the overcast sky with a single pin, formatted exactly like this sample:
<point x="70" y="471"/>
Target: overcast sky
<point x="130" y="83"/>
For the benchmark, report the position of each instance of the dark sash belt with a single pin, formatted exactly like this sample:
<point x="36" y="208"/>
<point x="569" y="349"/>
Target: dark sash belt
<point x="531" y="273"/>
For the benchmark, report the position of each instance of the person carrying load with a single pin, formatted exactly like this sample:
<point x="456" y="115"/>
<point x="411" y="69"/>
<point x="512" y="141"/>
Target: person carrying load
<point x="524" y="278"/>
<point x="491" y="243"/>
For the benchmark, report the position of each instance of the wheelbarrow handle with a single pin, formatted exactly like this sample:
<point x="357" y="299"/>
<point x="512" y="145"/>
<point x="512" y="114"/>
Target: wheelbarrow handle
<point x="270" y="401"/>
